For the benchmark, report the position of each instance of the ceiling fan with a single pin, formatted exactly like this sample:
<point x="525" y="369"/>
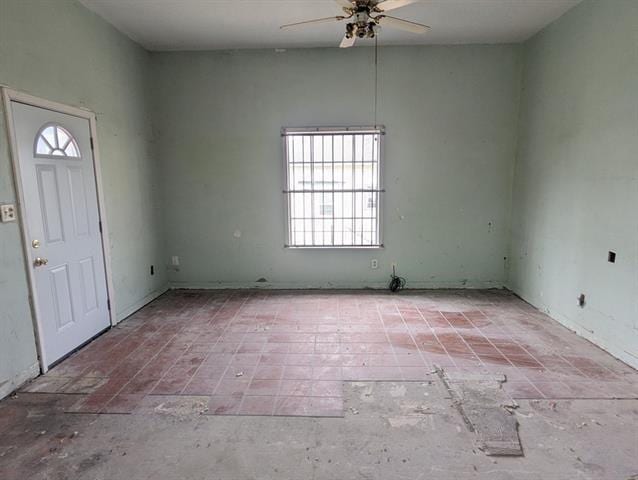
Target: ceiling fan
<point x="367" y="16"/>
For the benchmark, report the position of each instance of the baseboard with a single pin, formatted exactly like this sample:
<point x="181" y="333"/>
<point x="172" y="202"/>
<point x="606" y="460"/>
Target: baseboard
<point x="566" y="322"/>
<point x="614" y="351"/>
<point x="18" y="380"/>
<point x="128" y="311"/>
<point x="426" y="285"/>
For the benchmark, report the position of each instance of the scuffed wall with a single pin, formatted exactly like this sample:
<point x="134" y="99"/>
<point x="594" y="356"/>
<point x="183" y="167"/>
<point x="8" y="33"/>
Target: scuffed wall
<point x="450" y="116"/>
<point x="575" y="191"/>
<point x="62" y="52"/>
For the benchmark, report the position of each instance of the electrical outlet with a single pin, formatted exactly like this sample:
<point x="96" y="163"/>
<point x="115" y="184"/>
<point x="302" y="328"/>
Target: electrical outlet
<point x="374" y="264"/>
<point x="581" y="300"/>
<point x="175" y="261"/>
<point x="8" y="213"/>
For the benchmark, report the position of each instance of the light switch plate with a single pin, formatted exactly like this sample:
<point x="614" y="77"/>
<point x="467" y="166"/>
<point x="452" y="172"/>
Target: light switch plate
<point x="8" y="213"/>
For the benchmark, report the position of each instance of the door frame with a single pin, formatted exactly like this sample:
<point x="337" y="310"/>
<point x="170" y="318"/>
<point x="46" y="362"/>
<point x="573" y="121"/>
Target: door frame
<point x="9" y="95"/>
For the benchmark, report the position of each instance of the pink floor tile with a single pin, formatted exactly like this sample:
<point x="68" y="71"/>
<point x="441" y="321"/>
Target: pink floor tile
<point x="309" y="407"/>
<point x="224" y="404"/>
<point x="139" y="386"/>
<point x="257" y="405"/>
<point x="201" y="385"/>
<point x="170" y="385"/>
<point x="263" y="387"/>
<point x="298" y="373"/>
<point x="416" y="373"/>
<point x="287" y="353"/>
<point x="296" y="388"/>
<point x="268" y="372"/>
<point x="326" y="389"/>
<point x="327" y="373"/>
<point x="232" y="387"/>
<point x="90" y="404"/>
<point x="522" y="390"/>
<point x="122" y="403"/>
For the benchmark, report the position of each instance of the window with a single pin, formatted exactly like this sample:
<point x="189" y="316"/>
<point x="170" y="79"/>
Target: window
<point x="332" y="186"/>
<point x="56" y="141"/>
<point x="326" y="210"/>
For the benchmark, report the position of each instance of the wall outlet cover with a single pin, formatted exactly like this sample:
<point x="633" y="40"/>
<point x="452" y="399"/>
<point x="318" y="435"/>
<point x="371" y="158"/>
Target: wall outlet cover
<point x="8" y="213"/>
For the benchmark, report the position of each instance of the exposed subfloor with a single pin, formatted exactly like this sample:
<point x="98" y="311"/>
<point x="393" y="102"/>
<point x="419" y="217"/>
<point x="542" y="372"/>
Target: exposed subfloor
<point x="291" y="385"/>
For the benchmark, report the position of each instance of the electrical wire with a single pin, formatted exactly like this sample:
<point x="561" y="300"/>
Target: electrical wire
<point x="396" y="283"/>
<point x="376" y="77"/>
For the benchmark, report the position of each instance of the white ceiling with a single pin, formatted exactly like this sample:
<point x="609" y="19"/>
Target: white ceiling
<point x="230" y="24"/>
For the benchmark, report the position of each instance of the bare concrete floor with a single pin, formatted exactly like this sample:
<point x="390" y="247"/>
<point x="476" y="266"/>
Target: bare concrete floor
<point x="402" y="430"/>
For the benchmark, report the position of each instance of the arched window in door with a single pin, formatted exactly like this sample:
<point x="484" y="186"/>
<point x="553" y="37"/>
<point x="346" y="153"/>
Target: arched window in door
<point x="55" y="141"/>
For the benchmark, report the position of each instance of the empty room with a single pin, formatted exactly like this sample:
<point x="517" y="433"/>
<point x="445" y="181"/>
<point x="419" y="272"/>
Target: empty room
<point x="318" y="239"/>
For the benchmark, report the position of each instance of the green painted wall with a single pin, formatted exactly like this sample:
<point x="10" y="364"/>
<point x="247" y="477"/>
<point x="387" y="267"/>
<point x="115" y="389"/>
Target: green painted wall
<point x="62" y="52"/>
<point x="450" y="115"/>
<point x="191" y="153"/>
<point x="576" y="179"/>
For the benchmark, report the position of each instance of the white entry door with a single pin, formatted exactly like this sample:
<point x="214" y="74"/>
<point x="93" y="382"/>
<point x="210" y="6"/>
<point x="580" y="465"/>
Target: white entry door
<point x="62" y="224"/>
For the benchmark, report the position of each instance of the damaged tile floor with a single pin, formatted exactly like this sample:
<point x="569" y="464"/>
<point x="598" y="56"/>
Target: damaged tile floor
<point x="328" y="385"/>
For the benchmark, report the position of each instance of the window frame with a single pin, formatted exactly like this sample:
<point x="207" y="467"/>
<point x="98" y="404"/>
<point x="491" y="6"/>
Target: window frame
<point x="72" y="141"/>
<point x="380" y="190"/>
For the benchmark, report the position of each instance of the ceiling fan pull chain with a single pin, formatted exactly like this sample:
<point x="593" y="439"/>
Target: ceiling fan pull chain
<point x="376" y="77"/>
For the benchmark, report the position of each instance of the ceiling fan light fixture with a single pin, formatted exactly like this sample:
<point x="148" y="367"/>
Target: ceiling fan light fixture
<point x="367" y="16"/>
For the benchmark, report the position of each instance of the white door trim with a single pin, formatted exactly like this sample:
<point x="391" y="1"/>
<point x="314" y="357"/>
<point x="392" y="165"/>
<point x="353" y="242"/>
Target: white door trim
<point x="8" y="96"/>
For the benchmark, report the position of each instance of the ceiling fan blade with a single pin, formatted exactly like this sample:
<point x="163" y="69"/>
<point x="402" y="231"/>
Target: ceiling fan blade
<point x="347" y="42"/>
<point x="344" y="3"/>
<point x="387" y="5"/>
<point x="311" y="22"/>
<point x="399" y="23"/>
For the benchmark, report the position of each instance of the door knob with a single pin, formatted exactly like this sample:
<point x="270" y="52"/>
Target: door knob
<point x="38" y="262"/>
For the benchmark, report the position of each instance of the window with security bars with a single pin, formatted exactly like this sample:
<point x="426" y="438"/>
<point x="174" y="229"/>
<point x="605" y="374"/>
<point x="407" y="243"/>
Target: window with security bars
<point x="333" y="187"/>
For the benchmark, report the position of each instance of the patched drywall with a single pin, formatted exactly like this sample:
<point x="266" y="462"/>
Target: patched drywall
<point x="62" y="52"/>
<point x="450" y="116"/>
<point x="575" y="193"/>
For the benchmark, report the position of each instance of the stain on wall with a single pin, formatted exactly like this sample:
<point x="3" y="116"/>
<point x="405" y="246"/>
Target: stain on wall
<point x="62" y="52"/>
<point x="450" y="115"/>
<point x="576" y="180"/>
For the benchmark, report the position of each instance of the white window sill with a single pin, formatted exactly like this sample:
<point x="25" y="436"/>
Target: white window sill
<point x="333" y="247"/>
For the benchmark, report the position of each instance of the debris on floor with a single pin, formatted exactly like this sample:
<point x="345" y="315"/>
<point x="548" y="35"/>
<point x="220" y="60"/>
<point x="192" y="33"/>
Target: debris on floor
<point x="175" y="406"/>
<point x="487" y="410"/>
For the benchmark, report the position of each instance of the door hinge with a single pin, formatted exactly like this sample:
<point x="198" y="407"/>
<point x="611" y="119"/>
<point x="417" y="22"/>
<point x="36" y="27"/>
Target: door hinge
<point x="100" y="225"/>
<point x="108" y="304"/>
<point x="92" y="146"/>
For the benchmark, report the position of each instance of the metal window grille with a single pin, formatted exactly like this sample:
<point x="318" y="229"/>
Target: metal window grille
<point x="333" y="185"/>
